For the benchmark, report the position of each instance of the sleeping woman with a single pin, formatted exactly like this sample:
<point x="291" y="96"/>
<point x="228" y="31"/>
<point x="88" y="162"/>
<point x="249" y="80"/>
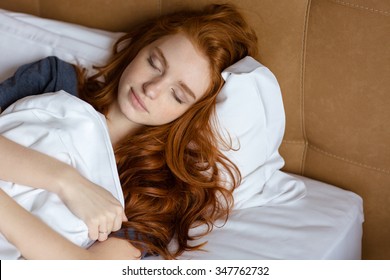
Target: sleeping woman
<point x="140" y="129"/>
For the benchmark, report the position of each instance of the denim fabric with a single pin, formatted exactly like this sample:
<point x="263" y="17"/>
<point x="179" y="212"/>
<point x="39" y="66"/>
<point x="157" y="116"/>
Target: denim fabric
<point x="47" y="75"/>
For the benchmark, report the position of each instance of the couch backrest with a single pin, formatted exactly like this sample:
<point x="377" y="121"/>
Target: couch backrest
<point x="332" y="60"/>
<point x="345" y="108"/>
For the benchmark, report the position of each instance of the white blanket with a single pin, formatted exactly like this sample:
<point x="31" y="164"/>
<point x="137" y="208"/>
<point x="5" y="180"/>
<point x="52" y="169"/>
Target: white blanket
<point x="67" y="128"/>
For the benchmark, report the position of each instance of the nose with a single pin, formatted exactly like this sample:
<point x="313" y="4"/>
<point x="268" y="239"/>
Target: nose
<point x="153" y="88"/>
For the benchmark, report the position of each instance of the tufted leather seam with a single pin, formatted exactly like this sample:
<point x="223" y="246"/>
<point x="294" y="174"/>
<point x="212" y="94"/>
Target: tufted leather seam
<point x="303" y="71"/>
<point x="297" y="142"/>
<point x="360" y="7"/>
<point x="366" y="166"/>
<point x="39" y="8"/>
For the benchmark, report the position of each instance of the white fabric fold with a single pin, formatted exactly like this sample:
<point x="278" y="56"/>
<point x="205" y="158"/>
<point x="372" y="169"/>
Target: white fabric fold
<point x="250" y="114"/>
<point x="69" y="129"/>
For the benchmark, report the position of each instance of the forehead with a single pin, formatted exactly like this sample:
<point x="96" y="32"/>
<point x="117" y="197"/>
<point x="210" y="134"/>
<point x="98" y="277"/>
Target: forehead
<point x="186" y="64"/>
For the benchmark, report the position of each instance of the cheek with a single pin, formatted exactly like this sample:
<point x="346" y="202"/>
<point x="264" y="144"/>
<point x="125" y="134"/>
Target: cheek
<point x="128" y="73"/>
<point x="134" y="70"/>
<point x="178" y="113"/>
<point x="168" y="114"/>
<point x="123" y="82"/>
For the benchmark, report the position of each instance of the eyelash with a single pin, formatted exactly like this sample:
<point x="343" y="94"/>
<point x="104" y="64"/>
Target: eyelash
<point x="176" y="98"/>
<point x="151" y="63"/>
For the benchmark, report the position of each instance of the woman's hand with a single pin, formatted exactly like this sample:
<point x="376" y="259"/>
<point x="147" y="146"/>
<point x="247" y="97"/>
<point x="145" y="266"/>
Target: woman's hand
<point x="91" y="203"/>
<point x="97" y="207"/>
<point x="25" y="232"/>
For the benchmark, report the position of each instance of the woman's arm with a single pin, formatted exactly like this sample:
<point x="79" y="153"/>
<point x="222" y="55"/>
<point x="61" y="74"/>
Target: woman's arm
<point x="94" y="205"/>
<point x="35" y="240"/>
<point x="91" y="203"/>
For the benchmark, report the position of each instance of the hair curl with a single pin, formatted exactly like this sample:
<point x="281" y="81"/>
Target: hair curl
<point x="172" y="175"/>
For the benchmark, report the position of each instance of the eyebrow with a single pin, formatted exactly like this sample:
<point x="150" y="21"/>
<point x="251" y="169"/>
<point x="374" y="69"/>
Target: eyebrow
<point x="166" y="65"/>
<point x="188" y="90"/>
<point x="163" y="59"/>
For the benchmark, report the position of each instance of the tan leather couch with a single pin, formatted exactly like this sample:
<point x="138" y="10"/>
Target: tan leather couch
<point x="332" y="60"/>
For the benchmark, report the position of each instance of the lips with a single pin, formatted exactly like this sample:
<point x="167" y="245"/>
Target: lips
<point x="137" y="102"/>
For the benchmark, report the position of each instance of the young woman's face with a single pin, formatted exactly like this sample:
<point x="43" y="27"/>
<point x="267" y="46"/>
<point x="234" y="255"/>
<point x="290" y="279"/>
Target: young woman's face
<point x="163" y="81"/>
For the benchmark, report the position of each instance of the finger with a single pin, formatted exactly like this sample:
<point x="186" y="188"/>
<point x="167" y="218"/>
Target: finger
<point x="103" y="233"/>
<point x="120" y="217"/>
<point x="117" y="223"/>
<point x="93" y="232"/>
<point x="102" y="236"/>
<point x="124" y="217"/>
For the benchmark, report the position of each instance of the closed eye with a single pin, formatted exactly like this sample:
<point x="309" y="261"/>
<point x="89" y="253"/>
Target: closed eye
<point x="153" y="64"/>
<point x="176" y="97"/>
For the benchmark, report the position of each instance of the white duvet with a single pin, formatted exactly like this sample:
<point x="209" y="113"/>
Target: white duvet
<point x="70" y="130"/>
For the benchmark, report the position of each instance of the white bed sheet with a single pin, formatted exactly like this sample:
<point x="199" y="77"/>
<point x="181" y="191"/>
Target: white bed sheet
<point x="325" y="224"/>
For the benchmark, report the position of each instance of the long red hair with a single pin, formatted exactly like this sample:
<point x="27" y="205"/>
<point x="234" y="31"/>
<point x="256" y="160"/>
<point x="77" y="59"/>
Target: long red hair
<point x="173" y="176"/>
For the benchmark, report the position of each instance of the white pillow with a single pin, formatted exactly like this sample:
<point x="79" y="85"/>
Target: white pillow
<point x="250" y="112"/>
<point x="249" y="107"/>
<point x="26" y="38"/>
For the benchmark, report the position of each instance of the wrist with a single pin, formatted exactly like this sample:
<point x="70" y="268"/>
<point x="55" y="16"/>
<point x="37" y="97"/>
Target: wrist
<point x="64" y="180"/>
